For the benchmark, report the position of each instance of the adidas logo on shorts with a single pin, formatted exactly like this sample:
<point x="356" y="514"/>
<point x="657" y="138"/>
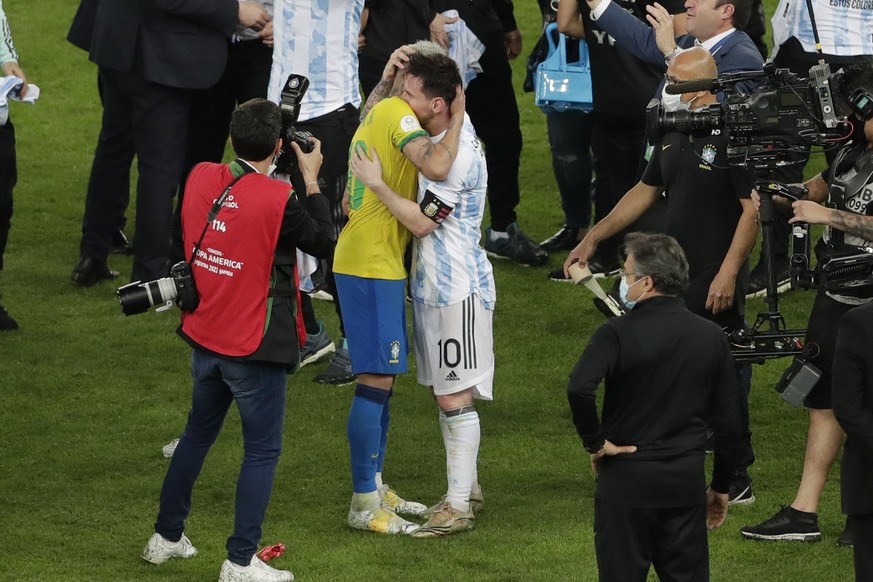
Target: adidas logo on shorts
<point x="452" y="377"/>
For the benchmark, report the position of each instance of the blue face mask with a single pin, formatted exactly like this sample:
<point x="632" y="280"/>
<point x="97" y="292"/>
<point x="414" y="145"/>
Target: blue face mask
<point x="623" y="288"/>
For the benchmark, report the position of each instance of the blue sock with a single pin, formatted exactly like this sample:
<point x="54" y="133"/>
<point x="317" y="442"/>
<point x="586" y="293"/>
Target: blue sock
<point x="364" y="432"/>
<point x="384" y="423"/>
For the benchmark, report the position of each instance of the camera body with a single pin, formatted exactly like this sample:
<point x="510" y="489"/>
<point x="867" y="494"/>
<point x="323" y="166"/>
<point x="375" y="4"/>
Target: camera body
<point x="289" y="105"/>
<point x="798" y="380"/>
<point x="178" y="288"/>
<point x="767" y="128"/>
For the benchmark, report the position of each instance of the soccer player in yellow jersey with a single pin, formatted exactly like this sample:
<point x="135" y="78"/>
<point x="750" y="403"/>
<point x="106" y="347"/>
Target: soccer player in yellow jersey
<point x="368" y="263"/>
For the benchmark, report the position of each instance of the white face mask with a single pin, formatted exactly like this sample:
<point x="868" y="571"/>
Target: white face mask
<point x="674" y="103"/>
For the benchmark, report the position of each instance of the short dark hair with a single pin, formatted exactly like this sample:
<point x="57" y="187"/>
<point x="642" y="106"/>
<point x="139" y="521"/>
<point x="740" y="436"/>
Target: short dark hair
<point x="742" y="11"/>
<point x="438" y="73"/>
<point x="254" y="129"/>
<point x="660" y="257"/>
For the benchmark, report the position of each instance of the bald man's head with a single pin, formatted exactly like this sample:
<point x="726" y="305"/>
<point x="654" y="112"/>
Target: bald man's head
<point x="691" y="64"/>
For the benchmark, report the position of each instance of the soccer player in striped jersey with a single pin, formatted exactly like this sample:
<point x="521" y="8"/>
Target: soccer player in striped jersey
<point x="453" y="293"/>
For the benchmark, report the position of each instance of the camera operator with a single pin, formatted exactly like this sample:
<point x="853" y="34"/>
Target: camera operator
<point x="710" y="213"/>
<point x="847" y="189"/>
<point x="244" y="332"/>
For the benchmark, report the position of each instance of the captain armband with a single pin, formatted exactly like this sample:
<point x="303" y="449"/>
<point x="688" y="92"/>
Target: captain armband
<point x="434" y="208"/>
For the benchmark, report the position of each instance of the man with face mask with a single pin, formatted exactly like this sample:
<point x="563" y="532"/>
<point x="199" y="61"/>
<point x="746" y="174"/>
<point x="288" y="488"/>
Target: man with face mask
<point x="668" y="375"/>
<point x="710" y="213"/>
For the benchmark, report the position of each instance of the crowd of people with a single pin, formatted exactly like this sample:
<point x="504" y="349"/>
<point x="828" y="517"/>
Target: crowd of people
<point x="388" y="204"/>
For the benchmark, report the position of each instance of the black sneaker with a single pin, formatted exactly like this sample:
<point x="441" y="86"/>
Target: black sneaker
<point x="120" y="244"/>
<point x="601" y="268"/>
<point x="740" y="494"/>
<point x="789" y="525"/>
<point x="6" y="321"/>
<point x="565" y="239"/>
<point x="339" y="371"/>
<point x="559" y="276"/>
<point x="758" y="278"/>
<point x="846" y="539"/>
<point x="516" y="247"/>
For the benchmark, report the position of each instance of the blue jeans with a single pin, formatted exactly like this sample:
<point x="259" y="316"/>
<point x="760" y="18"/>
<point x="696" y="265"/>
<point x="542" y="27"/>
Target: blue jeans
<point x="570" y="140"/>
<point x="259" y="392"/>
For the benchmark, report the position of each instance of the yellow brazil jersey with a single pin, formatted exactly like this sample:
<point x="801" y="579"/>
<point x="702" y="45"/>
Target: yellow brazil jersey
<point x="371" y="245"/>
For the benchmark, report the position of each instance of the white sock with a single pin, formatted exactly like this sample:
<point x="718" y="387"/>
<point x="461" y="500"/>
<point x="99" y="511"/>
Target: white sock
<point x="379" y="480"/>
<point x="366" y="501"/>
<point x="462" y="449"/>
<point x="498" y="234"/>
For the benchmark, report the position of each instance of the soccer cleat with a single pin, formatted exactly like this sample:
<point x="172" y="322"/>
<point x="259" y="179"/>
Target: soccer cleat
<point x="477" y="499"/>
<point x="758" y="278"/>
<point x="516" y="246"/>
<point x="339" y="371"/>
<point x="393" y="502"/>
<point x="740" y="494"/>
<point x="381" y="521"/>
<point x="256" y="571"/>
<point x="160" y="549"/>
<point x="170" y="448"/>
<point x="600" y="269"/>
<point x="446" y="520"/>
<point x="317" y="346"/>
<point x="789" y="525"/>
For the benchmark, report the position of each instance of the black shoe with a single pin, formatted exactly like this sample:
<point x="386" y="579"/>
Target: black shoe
<point x="601" y="268"/>
<point x="120" y="244"/>
<point x="516" y="247"/>
<point x="740" y="493"/>
<point x="789" y="525"/>
<point x="758" y="278"/>
<point x="847" y="538"/>
<point x="6" y="321"/>
<point x="89" y="271"/>
<point x="559" y="276"/>
<point x="565" y="239"/>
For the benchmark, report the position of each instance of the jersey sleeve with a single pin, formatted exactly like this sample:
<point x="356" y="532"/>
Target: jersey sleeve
<point x="404" y="125"/>
<point x="652" y="174"/>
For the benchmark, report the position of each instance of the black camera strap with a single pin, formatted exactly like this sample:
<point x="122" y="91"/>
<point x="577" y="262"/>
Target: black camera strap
<point x="213" y="212"/>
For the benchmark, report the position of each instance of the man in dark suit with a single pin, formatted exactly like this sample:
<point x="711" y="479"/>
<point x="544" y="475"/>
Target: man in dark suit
<point x="150" y="54"/>
<point x="714" y="24"/>
<point x="853" y="407"/>
<point x="668" y="374"/>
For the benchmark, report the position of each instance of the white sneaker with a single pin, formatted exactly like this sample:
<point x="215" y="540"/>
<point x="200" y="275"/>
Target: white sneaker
<point x="160" y="549"/>
<point x="256" y="571"/>
<point x="170" y="448"/>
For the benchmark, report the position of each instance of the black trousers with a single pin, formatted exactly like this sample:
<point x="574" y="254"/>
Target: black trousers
<point x="618" y="143"/>
<point x="246" y="76"/>
<point x="862" y="530"/>
<point x="156" y="116"/>
<point x="335" y="131"/>
<point x="494" y="113"/>
<point x="8" y="178"/>
<point x="629" y="540"/>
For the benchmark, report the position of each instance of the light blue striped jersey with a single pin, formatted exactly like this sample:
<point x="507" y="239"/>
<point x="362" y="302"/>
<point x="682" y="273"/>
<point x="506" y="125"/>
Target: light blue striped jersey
<point x="318" y="39"/>
<point x="449" y="264"/>
<point x="845" y="27"/>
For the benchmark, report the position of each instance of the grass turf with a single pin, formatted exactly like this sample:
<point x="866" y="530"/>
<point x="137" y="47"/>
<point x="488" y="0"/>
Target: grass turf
<point x="89" y="397"/>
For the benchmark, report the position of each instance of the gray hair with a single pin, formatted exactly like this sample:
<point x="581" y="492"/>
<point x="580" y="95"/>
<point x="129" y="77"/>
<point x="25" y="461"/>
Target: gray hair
<point x="660" y="257"/>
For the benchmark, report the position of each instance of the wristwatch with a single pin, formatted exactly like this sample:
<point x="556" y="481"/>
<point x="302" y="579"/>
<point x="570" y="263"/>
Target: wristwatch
<point x="672" y="55"/>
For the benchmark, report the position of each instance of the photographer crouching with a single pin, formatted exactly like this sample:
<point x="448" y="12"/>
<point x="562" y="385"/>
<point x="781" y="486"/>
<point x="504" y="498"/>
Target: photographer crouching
<point x="240" y="229"/>
<point x="846" y="189"/>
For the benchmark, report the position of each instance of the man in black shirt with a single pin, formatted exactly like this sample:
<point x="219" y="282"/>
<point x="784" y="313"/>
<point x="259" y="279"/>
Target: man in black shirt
<point x="710" y="213"/>
<point x="668" y="376"/>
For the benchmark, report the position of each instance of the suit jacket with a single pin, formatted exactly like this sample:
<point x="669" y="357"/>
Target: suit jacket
<point x="852" y="387"/>
<point x="178" y="43"/>
<point x="82" y="28"/>
<point x="737" y="53"/>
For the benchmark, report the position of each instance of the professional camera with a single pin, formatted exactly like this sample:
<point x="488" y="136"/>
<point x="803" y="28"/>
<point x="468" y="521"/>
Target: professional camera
<point x="768" y="128"/>
<point x="289" y="105"/>
<point x="178" y="288"/>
